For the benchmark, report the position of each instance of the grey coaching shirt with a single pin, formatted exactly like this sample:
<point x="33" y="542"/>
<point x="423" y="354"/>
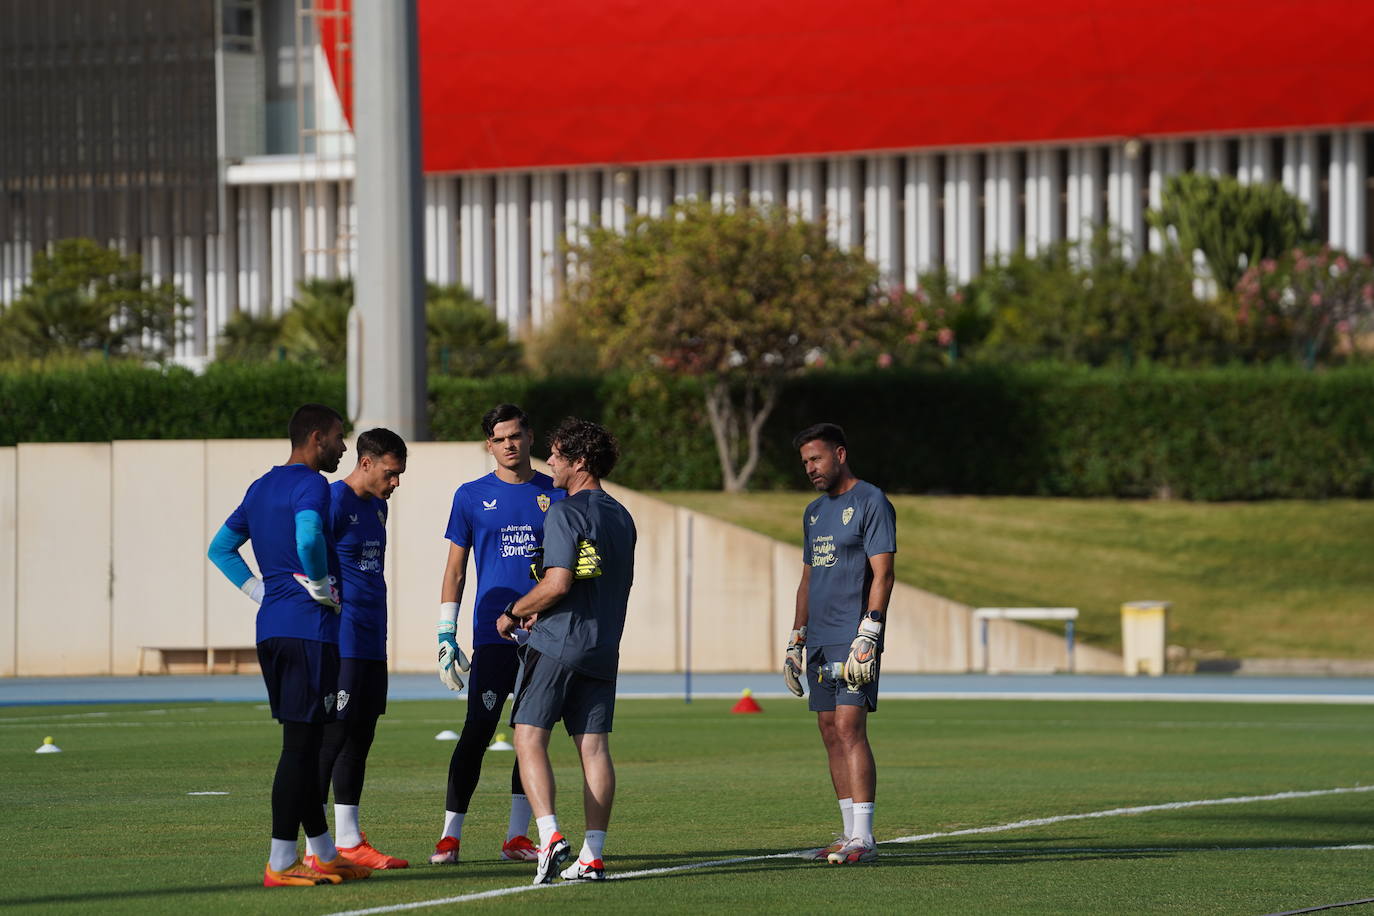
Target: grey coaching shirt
<point x="839" y="534"/>
<point x="583" y="630"/>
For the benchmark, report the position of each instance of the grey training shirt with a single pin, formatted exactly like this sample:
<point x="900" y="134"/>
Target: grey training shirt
<point x="839" y="534"/>
<point x="583" y="629"/>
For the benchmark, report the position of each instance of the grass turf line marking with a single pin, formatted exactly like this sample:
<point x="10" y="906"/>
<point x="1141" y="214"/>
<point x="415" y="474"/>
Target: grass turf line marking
<point x="1325" y="906"/>
<point x="998" y="828"/>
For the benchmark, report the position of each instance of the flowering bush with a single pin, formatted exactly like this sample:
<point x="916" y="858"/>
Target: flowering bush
<point x="903" y="328"/>
<point x="1305" y="301"/>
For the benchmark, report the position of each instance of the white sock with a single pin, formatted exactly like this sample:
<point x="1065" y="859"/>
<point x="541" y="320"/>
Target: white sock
<point x="863" y="822"/>
<point x="592" y="844"/>
<point x="847" y="815"/>
<point x="282" y="855"/>
<point x="453" y="824"/>
<point x="322" y="847"/>
<point x="346" y="830"/>
<point x="548" y="826"/>
<point x="520" y="814"/>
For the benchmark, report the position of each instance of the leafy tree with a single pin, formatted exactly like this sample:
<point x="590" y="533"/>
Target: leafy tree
<point x="1234" y="225"/>
<point x="464" y="337"/>
<point x="740" y="298"/>
<point x="315" y="328"/>
<point x="84" y="297"/>
<point x="1101" y="310"/>
<point x="249" y="338"/>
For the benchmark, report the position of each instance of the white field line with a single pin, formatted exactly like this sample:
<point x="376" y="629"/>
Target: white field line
<point x="1356" y="699"/>
<point x="998" y="828"/>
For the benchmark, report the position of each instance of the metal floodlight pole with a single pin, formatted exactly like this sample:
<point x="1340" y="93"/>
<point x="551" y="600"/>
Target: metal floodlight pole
<point x="386" y="376"/>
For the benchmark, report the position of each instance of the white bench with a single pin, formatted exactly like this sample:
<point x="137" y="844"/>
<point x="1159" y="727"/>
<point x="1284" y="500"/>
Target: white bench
<point x="198" y="659"/>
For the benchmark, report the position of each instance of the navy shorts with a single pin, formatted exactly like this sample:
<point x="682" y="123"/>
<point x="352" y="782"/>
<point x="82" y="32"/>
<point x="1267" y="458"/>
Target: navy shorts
<point x="302" y="676"/>
<point x="362" y="688"/>
<point x="491" y="679"/>
<point x="827" y="693"/>
<point x="549" y="691"/>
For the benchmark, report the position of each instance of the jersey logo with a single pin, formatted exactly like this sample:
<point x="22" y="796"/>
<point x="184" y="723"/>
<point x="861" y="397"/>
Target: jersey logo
<point x="352" y="518"/>
<point x="543" y="500"/>
<point x="489" y="700"/>
<point x="813" y="519"/>
<point x="488" y="505"/>
<point x="342" y="700"/>
<point x="381" y="516"/>
<point x="846" y="515"/>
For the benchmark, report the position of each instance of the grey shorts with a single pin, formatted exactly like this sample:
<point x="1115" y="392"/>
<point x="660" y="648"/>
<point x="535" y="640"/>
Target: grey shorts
<point x="827" y="693"/>
<point x="549" y="691"/>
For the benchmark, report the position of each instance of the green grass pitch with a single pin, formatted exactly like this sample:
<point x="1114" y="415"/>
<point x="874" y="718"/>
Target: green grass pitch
<point x="109" y="825"/>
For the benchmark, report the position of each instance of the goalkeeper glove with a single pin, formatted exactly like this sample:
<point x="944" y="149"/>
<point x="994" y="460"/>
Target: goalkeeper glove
<point x="794" y="667"/>
<point x="325" y="591"/>
<point x="253" y="588"/>
<point x="451" y="658"/>
<point x="588" y="560"/>
<point x="862" y="664"/>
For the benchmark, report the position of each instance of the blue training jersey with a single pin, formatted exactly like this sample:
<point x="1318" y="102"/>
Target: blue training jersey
<point x="358" y="527"/>
<point x="500" y="524"/>
<point x="267" y="517"/>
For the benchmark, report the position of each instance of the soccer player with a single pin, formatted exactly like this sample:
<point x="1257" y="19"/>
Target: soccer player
<point x="499" y="519"/>
<point x="575" y="617"/>
<point x="849" y="539"/>
<point x="283" y="514"/>
<point x="357" y="522"/>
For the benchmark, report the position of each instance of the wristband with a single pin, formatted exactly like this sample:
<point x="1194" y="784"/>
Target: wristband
<point x="448" y="612"/>
<point x="507" y="612"/>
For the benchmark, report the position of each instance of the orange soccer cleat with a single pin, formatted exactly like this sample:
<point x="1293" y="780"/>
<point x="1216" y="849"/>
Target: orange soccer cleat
<point x="367" y="854"/>
<point x="339" y="867"/>
<point x="297" y="874"/>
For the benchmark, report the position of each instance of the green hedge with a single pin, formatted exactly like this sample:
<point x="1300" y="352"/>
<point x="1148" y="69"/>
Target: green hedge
<point x="1214" y="434"/>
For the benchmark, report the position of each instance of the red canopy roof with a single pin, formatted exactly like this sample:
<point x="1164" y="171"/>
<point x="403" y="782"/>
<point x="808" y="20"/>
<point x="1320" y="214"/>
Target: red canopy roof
<point x="532" y="83"/>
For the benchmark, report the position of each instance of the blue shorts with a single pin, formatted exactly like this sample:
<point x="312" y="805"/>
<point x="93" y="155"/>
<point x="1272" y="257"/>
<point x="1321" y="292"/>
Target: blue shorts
<point x="549" y="691"/>
<point x="362" y="688"/>
<point x="827" y="693"/>
<point x="491" y="680"/>
<point x="301" y="676"/>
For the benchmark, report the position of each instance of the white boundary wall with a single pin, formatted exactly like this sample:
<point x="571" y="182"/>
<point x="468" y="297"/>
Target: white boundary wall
<point x="102" y="551"/>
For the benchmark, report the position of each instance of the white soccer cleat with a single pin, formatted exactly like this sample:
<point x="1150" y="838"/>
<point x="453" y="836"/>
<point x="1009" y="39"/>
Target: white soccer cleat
<point x="853" y="853"/>
<point x="551" y="859"/>
<point x="594" y="870"/>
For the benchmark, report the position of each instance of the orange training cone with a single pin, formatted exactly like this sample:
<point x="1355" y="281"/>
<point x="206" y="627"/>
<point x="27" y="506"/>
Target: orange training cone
<point x="747" y="703"/>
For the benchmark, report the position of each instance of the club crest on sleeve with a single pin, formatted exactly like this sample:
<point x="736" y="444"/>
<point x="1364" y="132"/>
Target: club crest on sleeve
<point x="489" y="699"/>
<point x="543" y="500"/>
<point x="846" y="515"/>
<point x="488" y="505"/>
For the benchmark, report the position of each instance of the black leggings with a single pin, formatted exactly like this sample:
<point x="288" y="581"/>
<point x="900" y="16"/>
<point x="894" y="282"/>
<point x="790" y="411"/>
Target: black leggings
<point x="494" y="669"/>
<point x="343" y="758"/>
<point x="295" y="790"/>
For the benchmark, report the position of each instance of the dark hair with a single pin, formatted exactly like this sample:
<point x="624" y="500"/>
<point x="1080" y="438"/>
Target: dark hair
<point x="378" y="442"/>
<point x="582" y="439"/>
<point x="310" y="418"/>
<point x="500" y="414"/>
<point x="826" y="432"/>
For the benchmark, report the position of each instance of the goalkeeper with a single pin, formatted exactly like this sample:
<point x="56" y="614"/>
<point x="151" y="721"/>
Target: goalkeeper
<point x="849" y="538"/>
<point x="499" y="519"/>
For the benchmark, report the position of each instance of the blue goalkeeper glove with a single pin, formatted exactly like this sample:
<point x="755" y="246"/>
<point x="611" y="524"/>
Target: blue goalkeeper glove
<point x="452" y="661"/>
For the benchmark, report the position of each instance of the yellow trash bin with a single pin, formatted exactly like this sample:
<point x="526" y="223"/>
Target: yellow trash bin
<point x="1144" y="627"/>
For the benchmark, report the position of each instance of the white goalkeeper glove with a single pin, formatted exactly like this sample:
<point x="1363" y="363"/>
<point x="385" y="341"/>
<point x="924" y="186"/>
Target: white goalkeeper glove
<point x="451" y="658"/>
<point x="794" y="667"/>
<point x="325" y="591"/>
<point x="862" y="664"/>
<point x="253" y="588"/>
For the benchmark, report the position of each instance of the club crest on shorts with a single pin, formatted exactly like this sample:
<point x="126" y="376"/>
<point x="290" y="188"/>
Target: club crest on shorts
<point x="329" y="702"/>
<point x="341" y="701"/>
<point x="846" y="515"/>
<point x="489" y="700"/>
<point x="543" y="500"/>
